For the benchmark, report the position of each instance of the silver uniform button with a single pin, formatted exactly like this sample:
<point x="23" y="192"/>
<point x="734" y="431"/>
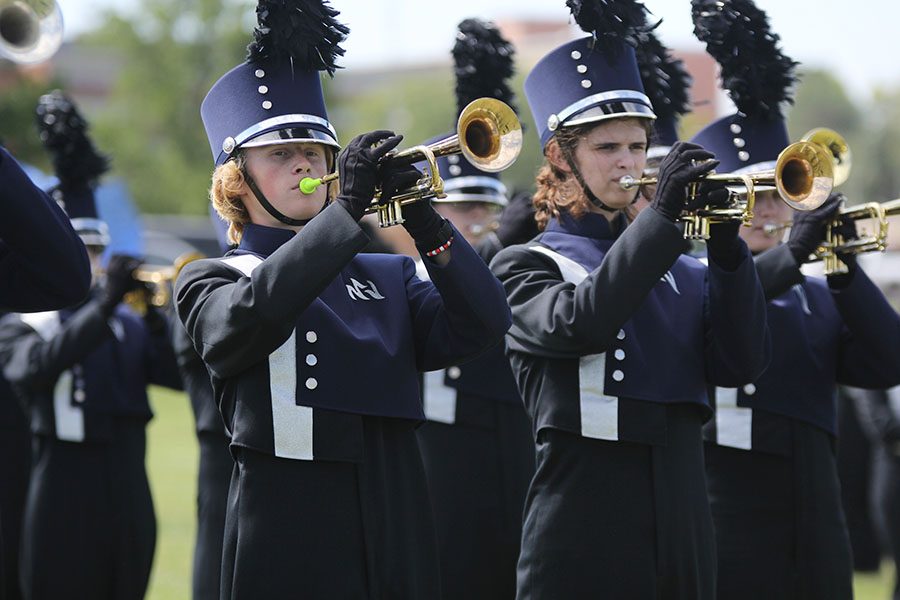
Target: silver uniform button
<point x="311" y="360"/>
<point x="618" y="375"/>
<point x="311" y="337"/>
<point x="621" y="335"/>
<point x="620" y="354"/>
<point x="749" y="389"/>
<point x="311" y="383"/>
<point x="79" y="395"/>
<point x="454" y="372"/>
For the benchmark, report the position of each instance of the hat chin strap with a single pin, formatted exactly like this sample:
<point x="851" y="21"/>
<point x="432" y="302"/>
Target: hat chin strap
<point x="274" y="211"/>
<point x="594" y="200"/>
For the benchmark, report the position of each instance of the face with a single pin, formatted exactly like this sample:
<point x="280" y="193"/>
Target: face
<point x="768" y="210"/>
<point x="277" y="171"/>
<point x="473" y="219"/>
<point x="608" y="152"/>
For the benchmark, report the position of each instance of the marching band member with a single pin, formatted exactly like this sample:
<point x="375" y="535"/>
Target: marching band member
<point x="616" y="334"/>
<point x="476" y="445"/>
<point x="314" y="349"/>
<point x="773" y="485"/>
<point x="89" y="530"/>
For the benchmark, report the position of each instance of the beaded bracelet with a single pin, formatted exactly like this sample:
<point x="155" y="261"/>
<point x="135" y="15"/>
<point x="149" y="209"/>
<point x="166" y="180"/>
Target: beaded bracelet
<point x="442" y="248"/>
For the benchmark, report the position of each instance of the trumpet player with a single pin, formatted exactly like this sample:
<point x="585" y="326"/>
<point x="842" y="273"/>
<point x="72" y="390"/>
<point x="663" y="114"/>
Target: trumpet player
<point x="314" y="349"/>
<point x="89" y="530"/>
<point x="616" y="334"/>
<point x="773" y="484"/>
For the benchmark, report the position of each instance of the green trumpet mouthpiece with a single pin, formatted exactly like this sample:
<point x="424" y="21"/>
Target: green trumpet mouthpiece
<point x="308" y="185"/>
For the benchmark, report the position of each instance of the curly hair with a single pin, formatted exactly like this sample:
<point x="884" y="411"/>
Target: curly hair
<point x="559" y="191"/>
<point x="226" y="194"/>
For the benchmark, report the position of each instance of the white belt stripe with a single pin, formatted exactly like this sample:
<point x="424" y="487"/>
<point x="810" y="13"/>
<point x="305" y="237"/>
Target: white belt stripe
<point x="292" y="424"/>
<point x="734" y="424"/>
<point x="68" y="417"/>
<point x="440" y="400"/>
<point x="599" y="412"/>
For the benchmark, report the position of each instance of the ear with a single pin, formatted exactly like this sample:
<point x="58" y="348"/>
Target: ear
<point x="555" y="156"/>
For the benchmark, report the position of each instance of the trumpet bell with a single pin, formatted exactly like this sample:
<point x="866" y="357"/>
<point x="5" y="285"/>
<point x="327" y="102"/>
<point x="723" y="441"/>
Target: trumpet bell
<point x="31" y="31"/>
<point x="837" y="146"/>
<point x="490" y="134"/>
<point x="804" y="175"/>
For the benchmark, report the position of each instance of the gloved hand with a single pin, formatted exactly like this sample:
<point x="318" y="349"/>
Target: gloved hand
<point x="421" y="221"/>
<point x="847" y="230"/>
<point x="684" y="163"/>
<point x="808" y="228"/>
<point x="517" y="224"/>
<point x="119" y="281"/>
<point x="358" y="168"/>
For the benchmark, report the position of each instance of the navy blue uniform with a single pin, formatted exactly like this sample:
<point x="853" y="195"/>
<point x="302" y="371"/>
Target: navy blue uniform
<point x="15" y="448"/>
<point x="43" y="264"/>
<point x="89" y="528"/>
<point x="773" y="482"/>
<point x="479" y="459"/>
<point x="313" y="352"/>
<point x="615" y="335"/>
<point x="214" y="470"/>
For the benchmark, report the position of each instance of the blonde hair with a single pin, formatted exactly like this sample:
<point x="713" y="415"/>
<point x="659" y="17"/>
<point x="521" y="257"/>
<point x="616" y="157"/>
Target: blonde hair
<point x="558" y="191"/>
<point x="227" y="195"/>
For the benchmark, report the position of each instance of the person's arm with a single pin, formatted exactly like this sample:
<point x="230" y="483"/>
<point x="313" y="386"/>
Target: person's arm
<point x="778" y="271"/>
<point x="161" y="363"/>
<point x="43" y="264"/>
<point x="557" y="318"/>
<point x="235" y="321"/>
<point x="460" y="313"/>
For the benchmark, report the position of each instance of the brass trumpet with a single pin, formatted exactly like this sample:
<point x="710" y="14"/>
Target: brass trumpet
<point x="488" y="134"/>
<point x="837" y="146"/>
<point x="835" y="245"/>
<point x="157" y="283"/>
<point x="31" y="31"/>
<point x="803" y="176"/>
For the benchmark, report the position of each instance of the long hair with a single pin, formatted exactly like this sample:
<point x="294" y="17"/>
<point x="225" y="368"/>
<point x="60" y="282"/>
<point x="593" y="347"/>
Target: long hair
<point x="559" y="191"/>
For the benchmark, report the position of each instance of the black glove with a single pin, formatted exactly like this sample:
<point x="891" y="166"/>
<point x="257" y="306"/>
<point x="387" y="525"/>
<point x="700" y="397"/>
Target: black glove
<point x="421" y="221"/>
<point x="119" y="281"/>
<point x="847" y="230"/>
<point x="517" y="224"/>
<point x="358" y="168"/>
<point x="808" y="228"/>
<point x="684" y="163"/>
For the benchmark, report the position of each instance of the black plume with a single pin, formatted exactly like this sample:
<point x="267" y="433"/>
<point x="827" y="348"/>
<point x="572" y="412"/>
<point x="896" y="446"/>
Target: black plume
<point x="63" y="132"/>
<point x="483" y="63"/>
<point x="666" y="82"/>
<point x="611" y="21"/>
<point x="303" y="32"/>
<point x="756" y="74"/>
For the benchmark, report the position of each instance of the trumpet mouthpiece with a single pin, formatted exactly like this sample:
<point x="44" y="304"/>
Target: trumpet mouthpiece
<point x="627" y="182"/>
<point x="308" y="185"/>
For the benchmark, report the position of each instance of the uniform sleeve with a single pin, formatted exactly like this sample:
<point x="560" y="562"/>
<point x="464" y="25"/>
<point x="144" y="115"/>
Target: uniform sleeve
<point x="558" y="319"/>
<point x="461" y="313"/>
<point x="738" y="345"/>
<point x="43" y="264"/>
<point x="875" y="414"/>
<point x="161" y="364"/>
<point x="778" y="271"/>
<point x="235" y="321"/>
<point x="32" y="362"/>
<point x="869" y="352"/>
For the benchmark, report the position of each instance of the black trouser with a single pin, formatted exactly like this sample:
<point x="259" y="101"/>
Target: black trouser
<point x="89" y="526"/>
<point x="886" y="498"/>
<point x="616" y="520"/>
<point x="780" y="527"/>
<point x="15" y="465"/>
<point x="213" y="477"/>
<point x="330" y="529"/>
<point x="477" y="478"/>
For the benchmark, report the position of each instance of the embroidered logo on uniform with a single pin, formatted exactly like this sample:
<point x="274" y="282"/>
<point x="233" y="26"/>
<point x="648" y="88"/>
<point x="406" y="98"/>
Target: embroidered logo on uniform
<point x="361" y="291"/>
<point x="670" y="279"/>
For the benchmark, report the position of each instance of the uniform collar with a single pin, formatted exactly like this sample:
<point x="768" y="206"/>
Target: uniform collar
<point x="590" y="225"/>
<point x="263" y="240"/>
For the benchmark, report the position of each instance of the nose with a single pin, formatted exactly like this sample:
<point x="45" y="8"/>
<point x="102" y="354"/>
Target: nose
<point x="626" y="160"/>
<point x="301" y="163"/>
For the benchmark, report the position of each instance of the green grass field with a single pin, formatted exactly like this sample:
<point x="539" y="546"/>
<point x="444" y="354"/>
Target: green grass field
<point x="172" y="464"/>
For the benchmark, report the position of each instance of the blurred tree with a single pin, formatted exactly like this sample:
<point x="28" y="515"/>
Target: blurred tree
<point x="880" y="170"/>
<point x="18" y="132"/>
<point x="171" y="51"/>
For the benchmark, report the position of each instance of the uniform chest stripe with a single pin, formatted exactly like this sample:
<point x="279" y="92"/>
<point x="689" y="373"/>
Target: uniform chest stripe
<point x="292" y="425"/>
<point x="734" y="424"/>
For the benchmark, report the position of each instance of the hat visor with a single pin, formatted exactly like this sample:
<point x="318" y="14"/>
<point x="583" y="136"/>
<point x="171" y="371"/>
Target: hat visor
<point x="292" y="135"/>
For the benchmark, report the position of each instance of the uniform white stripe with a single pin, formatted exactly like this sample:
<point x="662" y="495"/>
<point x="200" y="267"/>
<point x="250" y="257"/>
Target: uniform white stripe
<point x="893" y="398"/>
<point x="734" y="424"/>
<point x="68" y="417"/>
<point x="292" y="424"/>
<point x="599" y="412"/>
<point x="440" y="399"/>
